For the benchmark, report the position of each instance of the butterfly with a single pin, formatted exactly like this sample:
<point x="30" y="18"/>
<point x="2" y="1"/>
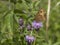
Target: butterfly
<point x="41" y="15"/>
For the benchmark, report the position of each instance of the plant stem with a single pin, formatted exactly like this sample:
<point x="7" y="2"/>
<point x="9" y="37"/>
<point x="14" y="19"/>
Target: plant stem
<point x="47" y="21"/>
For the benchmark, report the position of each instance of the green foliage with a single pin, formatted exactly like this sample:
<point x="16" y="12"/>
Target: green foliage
<point x="10" y="12"/>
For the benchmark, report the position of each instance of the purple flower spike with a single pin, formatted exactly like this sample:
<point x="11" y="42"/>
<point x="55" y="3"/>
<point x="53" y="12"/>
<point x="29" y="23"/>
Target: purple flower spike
<point x="21" y="21"/>
<point x="37" y="25"/>
<point x="29" y="38"/>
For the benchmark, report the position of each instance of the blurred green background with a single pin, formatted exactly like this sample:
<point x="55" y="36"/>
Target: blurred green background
<point x="10" y="12"/>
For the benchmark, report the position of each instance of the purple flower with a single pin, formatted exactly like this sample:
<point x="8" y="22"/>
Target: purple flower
<point x="37" y="25"/>
<point x="29" y="27"/>
<point x="29" y="38"/>
<point x="21" y="21"/>
<point x="21" y="24"/>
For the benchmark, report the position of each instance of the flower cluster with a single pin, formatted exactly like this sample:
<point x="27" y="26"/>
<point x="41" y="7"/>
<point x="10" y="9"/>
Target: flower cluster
<point x="29" y="38"/>
<point x="35" y="25"/>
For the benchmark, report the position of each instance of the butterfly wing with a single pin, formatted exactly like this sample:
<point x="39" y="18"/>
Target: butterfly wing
<point x="40" y="16"/>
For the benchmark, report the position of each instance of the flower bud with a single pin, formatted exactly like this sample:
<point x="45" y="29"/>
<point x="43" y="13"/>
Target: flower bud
<point x="29" y="27"/>
<point x="21" y="21"/>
